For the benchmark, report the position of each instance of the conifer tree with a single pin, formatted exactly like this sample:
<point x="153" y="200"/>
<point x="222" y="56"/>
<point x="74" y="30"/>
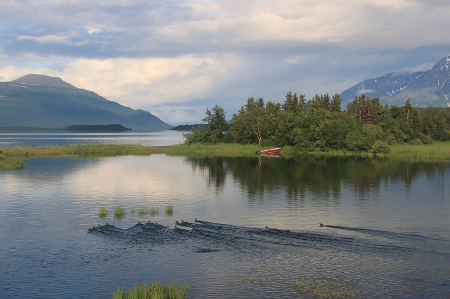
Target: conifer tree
<point x="336" y="103"/>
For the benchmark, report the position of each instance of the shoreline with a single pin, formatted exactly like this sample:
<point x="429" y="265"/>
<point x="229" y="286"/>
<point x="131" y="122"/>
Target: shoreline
<point x="435" y="151"/>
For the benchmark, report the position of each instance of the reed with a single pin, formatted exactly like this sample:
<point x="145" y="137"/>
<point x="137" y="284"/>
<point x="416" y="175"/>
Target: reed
<point x="142" y="212"/>
<point x="102" y="212"/>
<point x="154" y="211"/>
<point x="169" y="210"/>
<point x="317" y="289"/>
<point x="132" y="211"/>
<point x="154" y="290"/>
<point x="11" y="163"/>
<point x="438" y="150"/>
<point x="119" y="213"/>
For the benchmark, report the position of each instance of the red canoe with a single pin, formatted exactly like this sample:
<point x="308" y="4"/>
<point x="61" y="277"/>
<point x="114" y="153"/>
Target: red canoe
<point x="269" y="151"/>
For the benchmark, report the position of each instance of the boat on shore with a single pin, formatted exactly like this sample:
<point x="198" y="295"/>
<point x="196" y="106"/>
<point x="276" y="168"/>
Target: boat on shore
<point x="268" y="151"/>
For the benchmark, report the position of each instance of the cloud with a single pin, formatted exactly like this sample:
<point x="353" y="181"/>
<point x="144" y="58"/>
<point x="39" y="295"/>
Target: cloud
<point x="64" y="38"/>
<point x="364" y="91"/>
<point x="419" y="68"/>
<point x="174" y="58"/>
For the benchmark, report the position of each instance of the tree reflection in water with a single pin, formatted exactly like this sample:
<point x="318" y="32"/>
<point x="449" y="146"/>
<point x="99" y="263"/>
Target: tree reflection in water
<point x="323" y="177"/>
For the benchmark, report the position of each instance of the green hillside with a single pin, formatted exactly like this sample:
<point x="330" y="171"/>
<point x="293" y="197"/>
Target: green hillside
<point x="51" y="106"/>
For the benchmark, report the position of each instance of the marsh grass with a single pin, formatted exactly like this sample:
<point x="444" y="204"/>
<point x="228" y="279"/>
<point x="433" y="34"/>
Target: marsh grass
<point x="249" y="279"/>
<point x="11" y="163"/>
<point x="438" y="150"/>
<point x="317" y="289"/>
<point x="169" y="210"/>
<point x="154" y="211"/>
<point x="132" y="211"/>
<point x="154" y="290"/>
<point x="142" y="212"/>
<point x="119" y="213"/>
<point x="102" y="212"/>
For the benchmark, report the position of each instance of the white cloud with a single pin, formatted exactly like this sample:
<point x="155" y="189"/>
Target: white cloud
<point x="364" y="91"/>
<point x="64" y="38"/>
<point x="420" y="68"/>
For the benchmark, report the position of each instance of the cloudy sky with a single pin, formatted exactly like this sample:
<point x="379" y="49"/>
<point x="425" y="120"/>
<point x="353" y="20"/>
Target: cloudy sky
<point x="176" y="58"/>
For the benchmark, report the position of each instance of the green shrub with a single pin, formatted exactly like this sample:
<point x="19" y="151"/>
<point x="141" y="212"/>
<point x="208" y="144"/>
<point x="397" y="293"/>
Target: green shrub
<point x="415" y="142"/>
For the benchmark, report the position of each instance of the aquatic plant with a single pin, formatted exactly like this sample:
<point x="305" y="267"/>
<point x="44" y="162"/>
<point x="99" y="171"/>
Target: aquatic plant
<point x="142" y="212"/>
<point x="169" y="210"/>
<point x="154" y="211"/>
<point x="155" y="290"/>
<point x="317" y="289"/>
<point x="132" y="211"/>
<point x="249" y="279"/>
<point x="119" y="213"/>
<point x="102" y="212"/>
<point x="11" y="164"/>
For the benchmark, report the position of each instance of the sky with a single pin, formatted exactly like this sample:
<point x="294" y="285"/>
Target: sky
<point x="177" y="58"/>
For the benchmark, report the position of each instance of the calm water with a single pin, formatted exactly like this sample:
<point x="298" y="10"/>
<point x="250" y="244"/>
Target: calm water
<point x="386" y="226"/>
<point x="167" y="137"/>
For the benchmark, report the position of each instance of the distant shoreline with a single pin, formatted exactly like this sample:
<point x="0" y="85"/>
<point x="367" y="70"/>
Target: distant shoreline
<point x="68" y="129"/>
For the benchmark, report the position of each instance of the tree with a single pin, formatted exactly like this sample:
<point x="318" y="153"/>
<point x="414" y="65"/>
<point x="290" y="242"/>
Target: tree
<point x="217" y="124"/>
<point x="336" y="103"/>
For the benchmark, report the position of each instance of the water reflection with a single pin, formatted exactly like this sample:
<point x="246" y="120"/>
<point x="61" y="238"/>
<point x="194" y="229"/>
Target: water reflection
<point x="323" y="177"/>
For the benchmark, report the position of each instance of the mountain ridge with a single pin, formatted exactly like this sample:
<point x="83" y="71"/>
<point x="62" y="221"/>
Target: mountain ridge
<point x="50" y="102"/>
<point x="424" y="88"/>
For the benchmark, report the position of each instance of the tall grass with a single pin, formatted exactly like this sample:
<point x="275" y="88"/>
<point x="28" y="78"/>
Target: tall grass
<point x="438" y="150"/>
<point x="102" y="212"/>
<point x="119" y="213"/>
<point x="154" y="211"/>
<point x="11" y="163"/>
<point x="327" y="290"/>
<point x="154" y="290"/>
<point x="169" y="210"/>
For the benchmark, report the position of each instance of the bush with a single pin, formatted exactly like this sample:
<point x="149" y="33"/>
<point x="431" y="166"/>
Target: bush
<point x="415" y="142"/>
<point x="381" y="147"/>
<point x="426" y="139"/>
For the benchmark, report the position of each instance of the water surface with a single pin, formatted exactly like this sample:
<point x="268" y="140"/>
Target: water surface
<point x="159" y="138"/>
<point x="386" y="226"/>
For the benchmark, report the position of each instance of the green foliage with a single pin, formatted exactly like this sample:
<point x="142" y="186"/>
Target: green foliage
<point x="102" y="212"/>
<point x="415" y="142"/>
<point x="380" y="147"/>
<point x="119" y="213"/>
<point x="317" y="289"/>
<point x="169" y="210"/>
<point x="11" y="163"/>
<point x="154" y="290"/>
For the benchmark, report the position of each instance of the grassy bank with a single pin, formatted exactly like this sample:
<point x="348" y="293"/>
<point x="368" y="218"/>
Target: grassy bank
<point x="436" y="151"/>
<point x="13" y="158"/>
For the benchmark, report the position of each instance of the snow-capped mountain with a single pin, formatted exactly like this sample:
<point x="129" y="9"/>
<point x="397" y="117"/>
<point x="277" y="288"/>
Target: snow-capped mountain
<point x="423" y="88"/>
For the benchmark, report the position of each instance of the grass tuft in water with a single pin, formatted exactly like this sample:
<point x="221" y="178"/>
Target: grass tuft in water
<point x="169" y="210"/>
<point x="154" y="290"/>
<point x="119" y="213"/>
<point x="154" y="211"/>
<point x="142" y="212"/>
<point x="102" y="212"/>
<point x="317" y="289"/>
<point x="132" y="211"/>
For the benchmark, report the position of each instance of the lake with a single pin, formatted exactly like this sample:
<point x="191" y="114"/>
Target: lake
<point x="158" y="138"/>
<point x="385" y="227"/>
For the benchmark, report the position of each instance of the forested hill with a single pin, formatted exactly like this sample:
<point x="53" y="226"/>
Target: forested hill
<point x="48" y="102"/>
<point x="424" y="89"/>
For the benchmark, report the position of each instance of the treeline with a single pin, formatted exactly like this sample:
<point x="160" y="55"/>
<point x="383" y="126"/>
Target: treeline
<point x="320" y="124"/>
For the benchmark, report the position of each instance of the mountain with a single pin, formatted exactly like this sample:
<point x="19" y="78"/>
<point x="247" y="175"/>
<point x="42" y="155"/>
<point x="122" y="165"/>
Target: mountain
<point x="430" y="88"/>
<point x="49" y="102"/>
